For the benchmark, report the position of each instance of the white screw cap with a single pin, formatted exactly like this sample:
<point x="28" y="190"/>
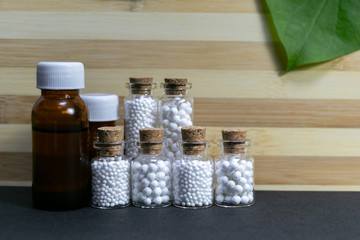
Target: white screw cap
<point x="60" y="75"/>
<point x="102" y="107"/>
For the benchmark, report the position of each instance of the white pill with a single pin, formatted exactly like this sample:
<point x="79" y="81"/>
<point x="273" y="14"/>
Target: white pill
<point x="152" y="167"/>
<point x="145" y="182"/>
<point x="151" y="176"/>
<point x="165" y="122"/>
<point x="158" y="200"/>
<point x="154" y="184"/>
<point x="230" y="184"/>
<point x="147" y="201"/>
<point x="162" y="184"/>
<point x="147" y="191"/>
<point x="228" y="199"/>
<point x="144" y="168"/>
<point x="247" y="174"/>
<point x="165" y="198"/>
<point x="237" y="176"/>
<point x="173" y="126"/>
<point x="245" y="200"/>
<point x="188" y="110"/>
<point x="235" y="200"/>
<point x="157" y="191"/>
<point x="220" y="198"/>
<point x="176" y="119"/>
<point x="239" y="188"/>
<point x="160" y="176"/>
<point x="225" y="165"/>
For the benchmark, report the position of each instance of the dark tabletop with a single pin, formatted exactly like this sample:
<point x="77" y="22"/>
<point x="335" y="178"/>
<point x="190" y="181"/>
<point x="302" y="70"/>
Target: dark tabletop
<point x="275" y="215"/>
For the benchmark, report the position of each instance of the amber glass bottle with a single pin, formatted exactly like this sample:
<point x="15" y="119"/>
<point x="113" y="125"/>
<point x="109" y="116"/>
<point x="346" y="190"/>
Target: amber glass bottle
<point x="103" y="109"/>
<point x="61" y="168"/>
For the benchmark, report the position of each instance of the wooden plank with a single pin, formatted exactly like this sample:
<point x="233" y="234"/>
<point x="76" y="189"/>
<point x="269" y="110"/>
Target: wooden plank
<point x="310" y="142"/>
<point x="223" y="112"/>
<point x="259" y="187"/>
<point x="144" y="26"/>
<point x="158" y="54"/>
<point x="277" y="112"/>
<point x="2" y="109"/>
<point x="231" y="6"/>
<point x="273" y="170"/>
<point x="206" y="83"/>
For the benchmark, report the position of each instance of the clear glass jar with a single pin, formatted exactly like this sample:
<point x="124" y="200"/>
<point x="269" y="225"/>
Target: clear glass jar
<point x="110" y="176"/>
<point x="175" y="112"/>
<point x="151" y="177"/>
<point x="234" y="175"/>
<point x="193" y="177"/>
<point x="140" y="111"/>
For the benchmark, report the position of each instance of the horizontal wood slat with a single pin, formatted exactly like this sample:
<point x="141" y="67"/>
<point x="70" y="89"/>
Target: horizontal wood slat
<point x="231" y="6"/>
<point x="232" y="112"/>
<point x="144" y="26"/>
<point x="316" y="142"/>
<point x="268" y="169"/>
<point x="224" y="83"/>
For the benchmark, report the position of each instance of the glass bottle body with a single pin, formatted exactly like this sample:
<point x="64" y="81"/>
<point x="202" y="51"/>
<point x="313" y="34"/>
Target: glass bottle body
<point x="234" y="180"/>
<point x="61" y="172"/>
<point x="193" y="181"/>
<point x="110" y="180"/>
<point x="175" y="112"/>
<point x="151" y="181"/>
<point x="140" y="111"/>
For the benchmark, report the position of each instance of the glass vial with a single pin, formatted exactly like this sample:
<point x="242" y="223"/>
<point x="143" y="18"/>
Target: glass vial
<point x="110" y="171"/>
<point x="61" y="171"/>
<point x="193" y="172"/>
<point x="151" y="181"/>
<point x="234" y="171"/>
<point x="140" y="111"/>
<point x="103" y="110"/>
<point x="176" y="111"/>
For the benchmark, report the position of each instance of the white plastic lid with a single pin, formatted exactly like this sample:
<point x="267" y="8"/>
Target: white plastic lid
<point x="60" y="75"/>
<point x="102" y="107"/>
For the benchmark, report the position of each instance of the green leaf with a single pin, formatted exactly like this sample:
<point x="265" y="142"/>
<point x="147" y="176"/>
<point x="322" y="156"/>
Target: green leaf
<point x="314" y="31"/>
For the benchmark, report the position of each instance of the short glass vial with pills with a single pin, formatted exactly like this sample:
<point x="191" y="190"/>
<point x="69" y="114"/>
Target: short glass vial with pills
<point x="151" y="172"/>
<point x="193" y="171"/>
<point x="140" y="111"/>
<point x="110" y="171"/>
<point x="234" y="171"/>
<point x="103" y="110"/>
<point x="175" y="112"/>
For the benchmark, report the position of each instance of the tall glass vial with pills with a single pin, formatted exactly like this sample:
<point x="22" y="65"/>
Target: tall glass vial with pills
<point x="103" y="110"/>
<point x="176" y="111"/>
<point x="110" y="171"/>
<point x="140" y="111"/>
<point x="151" y="182"/>
<point x="193" y="172"/>
<point x="234" y="171"/>
<point x="60" y="145"/>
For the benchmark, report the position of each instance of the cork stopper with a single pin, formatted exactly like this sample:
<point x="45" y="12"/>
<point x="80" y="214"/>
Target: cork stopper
<point x="175" y="86"/>
<point x="107" y="137"/>
<point x="193" y="140"/>
<point x="234" y="140"/>
<point x="141" y="85"/>
<point x="151" y="140"/>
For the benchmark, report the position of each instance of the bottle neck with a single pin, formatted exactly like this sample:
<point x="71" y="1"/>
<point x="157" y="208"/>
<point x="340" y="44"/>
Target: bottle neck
<point x="60" y="93"/>
<point x="108" y="149"/>
<point x="194" y="148"/>
<point x="234" y="148"/>
<point x="151" y="148"/>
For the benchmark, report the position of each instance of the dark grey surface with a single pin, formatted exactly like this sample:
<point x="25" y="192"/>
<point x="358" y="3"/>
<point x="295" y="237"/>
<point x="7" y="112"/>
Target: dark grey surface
<point x="276" y="215"/>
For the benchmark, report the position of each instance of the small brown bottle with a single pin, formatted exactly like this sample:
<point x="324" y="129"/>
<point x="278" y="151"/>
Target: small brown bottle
<point x="61" y="168"/>
<point x="103" y="109"/>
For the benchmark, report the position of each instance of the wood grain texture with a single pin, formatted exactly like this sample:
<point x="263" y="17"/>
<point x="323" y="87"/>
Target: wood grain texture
<point x="306" y="142"/>
<point x="207" y="6"/>
<point x="272" y="170"/>
<point x="144" y="26"/>
<point x="303" y="125"/>
<point x="224" y="83"/>
<point x="244" y="112"/>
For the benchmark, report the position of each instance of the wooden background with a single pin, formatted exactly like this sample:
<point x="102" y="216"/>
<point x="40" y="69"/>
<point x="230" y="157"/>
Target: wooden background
<point x="304" y="125"/>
